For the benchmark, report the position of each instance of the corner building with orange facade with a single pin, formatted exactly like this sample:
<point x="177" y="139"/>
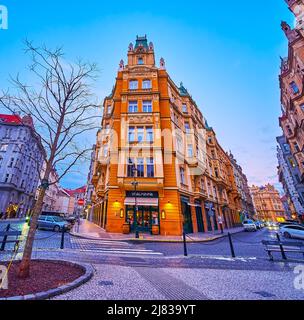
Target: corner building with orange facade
<point x="183" y="178"/>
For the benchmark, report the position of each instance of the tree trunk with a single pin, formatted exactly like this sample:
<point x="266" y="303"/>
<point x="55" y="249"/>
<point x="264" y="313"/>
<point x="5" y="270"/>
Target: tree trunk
<point x="24" y="270"/>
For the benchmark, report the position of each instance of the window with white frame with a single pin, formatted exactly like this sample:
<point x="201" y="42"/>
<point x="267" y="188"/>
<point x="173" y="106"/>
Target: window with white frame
<point x="140" y="167"/>
<point x="150" y="167"/>
<point x="3" y="147"/>
<point x="147" y="106"/>
<point x="190" y="150"/>
<point x="146" y="84"/>
<point x="182" y="175"/>
<point x="130" y="167"/>
<point x="131" y="134"/>
<point x="185" y="109"/>
<point x="179" y="144"/>
<point x="133" y="85"/>
<point x="133" y="107"/>
<point x="140" y="134"/>
<point x="187" y="127"/>
<point x="150" y="135"/>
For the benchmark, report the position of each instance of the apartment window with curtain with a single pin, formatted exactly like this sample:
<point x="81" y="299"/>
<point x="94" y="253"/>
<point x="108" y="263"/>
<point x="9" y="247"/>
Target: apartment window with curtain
<point x="150" y="167"/>
<point x="131" y="134"/>
<point x="140" y="168"/>
<point x="133" y="85"/>
<point x="133" y="107"/>
<point x="147" y="84"/>
<point x="147" y="106"/>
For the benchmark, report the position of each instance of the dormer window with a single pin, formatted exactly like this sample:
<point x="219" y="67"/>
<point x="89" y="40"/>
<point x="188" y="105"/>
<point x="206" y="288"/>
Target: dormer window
<point x="140" y="61"/>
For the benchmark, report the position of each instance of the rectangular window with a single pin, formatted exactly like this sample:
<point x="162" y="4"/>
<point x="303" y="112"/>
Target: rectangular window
<point x="182" y="175"/>
<point x="179" y="143"/>
<point x="133" y="106"/>
<point x="190" y="151"/>
<point x="11" y="163"/>
<point x="150" y="136"/>
<point x="150" y="167"/>
<point x="3" y="147"/>
<point x="147" y="106"/>
<point x="133" y="85"/>
<point x="296" y="147"/>
<point x="109" y="110"/>
<point x="130" y="167"/>
<point x="140" y="61"/>
<point x="187" y="127"/>
<point x="147" y="84"/>
<point x="6" y="178"/>
<point x="294" y="88"/>
<point x="185" y="109"/>
<point x="140" y="168"/>
<point x="131" y="134"/>
<point x="105" y="151"/>
<point x="140" y="134"/>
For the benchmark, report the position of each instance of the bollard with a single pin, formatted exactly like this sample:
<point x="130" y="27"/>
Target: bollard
<point x="185" y="244"/>
<point x="5" y="238"/>
<point x="281" y="248"/>
<point x="62" y="238"/>
<point x="231" y="245"/>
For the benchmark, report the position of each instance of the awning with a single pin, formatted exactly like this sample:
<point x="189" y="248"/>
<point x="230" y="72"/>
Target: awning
<point x="142" y="202"/>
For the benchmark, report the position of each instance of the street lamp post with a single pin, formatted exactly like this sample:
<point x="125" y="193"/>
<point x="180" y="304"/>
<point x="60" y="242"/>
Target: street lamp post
<point x="135" y="184"/>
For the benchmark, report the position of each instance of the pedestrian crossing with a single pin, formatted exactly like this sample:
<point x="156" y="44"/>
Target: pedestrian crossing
<point x="107" y="247"/>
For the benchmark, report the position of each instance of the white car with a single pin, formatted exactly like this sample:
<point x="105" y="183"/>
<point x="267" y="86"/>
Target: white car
<point x="292" y="231"/>
<point x="249" y="225"/>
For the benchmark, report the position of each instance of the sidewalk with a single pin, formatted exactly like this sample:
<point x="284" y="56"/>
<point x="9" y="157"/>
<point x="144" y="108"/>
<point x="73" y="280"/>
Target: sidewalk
<point x="89" y="230"/>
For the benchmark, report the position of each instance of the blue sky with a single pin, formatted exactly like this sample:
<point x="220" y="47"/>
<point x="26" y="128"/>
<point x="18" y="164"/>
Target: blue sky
<point x="225" y="52"/>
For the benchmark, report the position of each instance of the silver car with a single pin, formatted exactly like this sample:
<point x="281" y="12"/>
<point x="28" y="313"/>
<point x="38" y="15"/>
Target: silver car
<point x="52" y="223"/>
<point x="292" y="231"/>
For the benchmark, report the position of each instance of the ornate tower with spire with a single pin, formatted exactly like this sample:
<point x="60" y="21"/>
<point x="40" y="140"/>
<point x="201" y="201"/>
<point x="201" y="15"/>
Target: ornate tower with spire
<point x="142" y="53"/>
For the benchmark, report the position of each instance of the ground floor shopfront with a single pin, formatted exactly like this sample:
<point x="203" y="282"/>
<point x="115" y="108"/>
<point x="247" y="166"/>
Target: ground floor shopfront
<point x="167" y="213"/>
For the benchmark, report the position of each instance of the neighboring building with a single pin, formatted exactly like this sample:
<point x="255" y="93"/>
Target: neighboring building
<point x="77" y="200"/>
<point x="185" y="179"/>
<point x="289" y="176"/>
<point x="50" y="200"/>
<point x="291" y="84"/>
<point x="268" y="204"/>
<point x="90" y="187"/>
<point x="243" y="189"/>
<point x="21" y="159"/>
<point x="288" y="207"/>
<point x="64" y="203"/>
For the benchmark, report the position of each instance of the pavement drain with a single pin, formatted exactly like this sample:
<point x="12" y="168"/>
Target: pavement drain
<point x="105" y="283"/>
<point x="265" y="294"/>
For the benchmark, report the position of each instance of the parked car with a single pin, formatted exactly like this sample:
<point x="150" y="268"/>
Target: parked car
<point x="71" y="219"/>
<point x="249" y="225"/>
<point x="52" y="223"/>
<point x="290" y="223"/>
<point x="258" y="224"/>
<point x="292" y="231"/>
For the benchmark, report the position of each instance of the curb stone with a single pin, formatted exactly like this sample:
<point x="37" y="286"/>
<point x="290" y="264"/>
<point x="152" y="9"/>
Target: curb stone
<point x="89" y="272"/>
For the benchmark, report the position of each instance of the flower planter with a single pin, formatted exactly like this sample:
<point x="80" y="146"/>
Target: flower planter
<point x="155" y="230"/>
<point x="126" y="228"/>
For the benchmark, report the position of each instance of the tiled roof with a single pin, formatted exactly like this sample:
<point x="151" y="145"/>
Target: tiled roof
<point x="14" y="119"/>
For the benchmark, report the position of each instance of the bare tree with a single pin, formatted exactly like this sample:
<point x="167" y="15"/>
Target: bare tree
<point x="62" y="108"/>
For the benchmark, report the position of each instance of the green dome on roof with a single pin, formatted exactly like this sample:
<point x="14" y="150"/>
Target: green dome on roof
<point x="182" y="90"/>
<point x="141" y="41"/>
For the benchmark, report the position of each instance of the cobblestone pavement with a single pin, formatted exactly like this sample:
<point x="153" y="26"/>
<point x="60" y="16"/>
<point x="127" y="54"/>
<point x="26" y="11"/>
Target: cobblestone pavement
<point x="160" y="271"/>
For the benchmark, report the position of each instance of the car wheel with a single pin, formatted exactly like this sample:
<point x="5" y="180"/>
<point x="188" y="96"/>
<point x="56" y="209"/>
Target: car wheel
<point x="287" y="235"/>
<point x="56" y="228"/>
